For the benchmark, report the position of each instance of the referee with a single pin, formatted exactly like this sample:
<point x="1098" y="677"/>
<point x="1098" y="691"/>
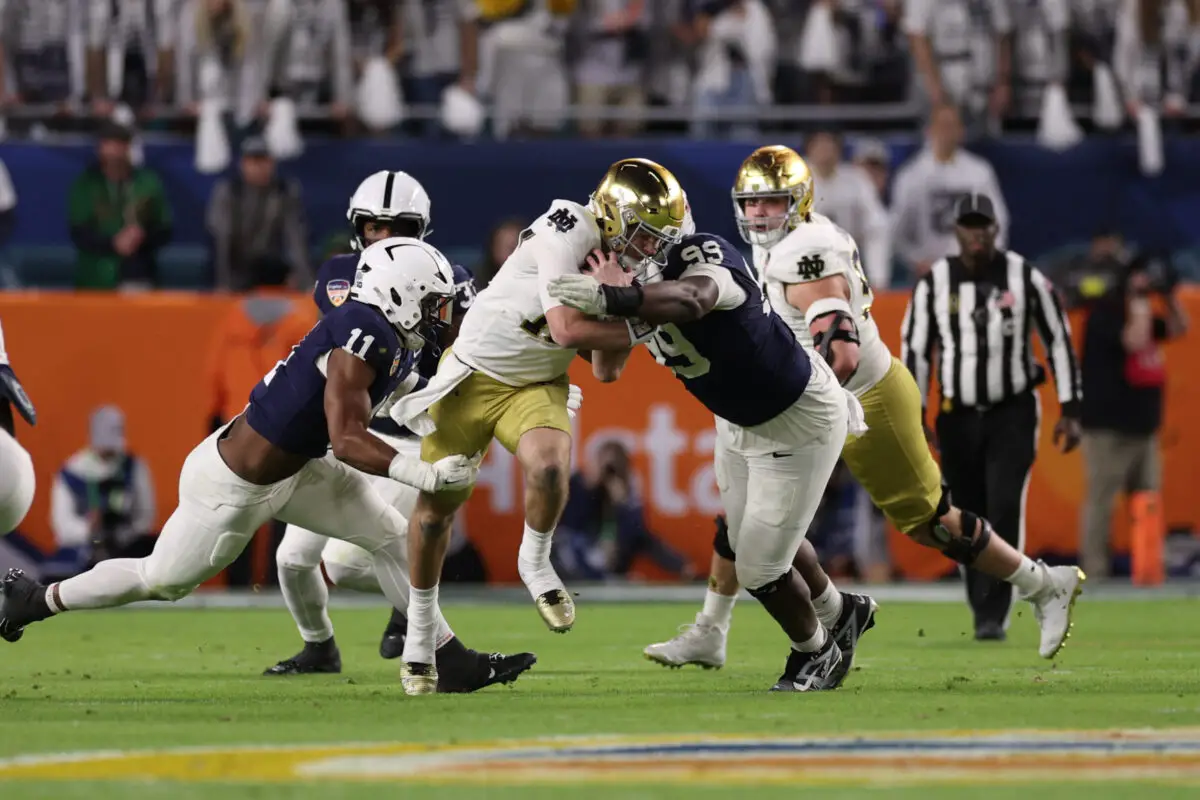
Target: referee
<point x="978" y="310"/>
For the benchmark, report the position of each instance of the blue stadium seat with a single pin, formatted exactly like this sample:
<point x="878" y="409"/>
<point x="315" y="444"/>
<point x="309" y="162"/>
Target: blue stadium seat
<point x="184" y="266"/>
<point x="44" y="266"/>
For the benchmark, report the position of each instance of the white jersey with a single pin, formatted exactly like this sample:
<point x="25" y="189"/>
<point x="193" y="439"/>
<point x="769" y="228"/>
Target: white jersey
<point x="815" y="250"/>
<point x="504" y="334"/>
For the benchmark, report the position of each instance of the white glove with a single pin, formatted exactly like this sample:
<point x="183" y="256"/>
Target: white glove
<point x="451" y="472"/>
<point x="574" y="400"/>
<point x="455" y="472"/>
<point x="579" y="291"/>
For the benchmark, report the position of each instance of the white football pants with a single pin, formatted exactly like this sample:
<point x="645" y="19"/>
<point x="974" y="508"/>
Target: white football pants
<point x="299" y="556"/>
<point x="772" y="476"/>
<point x="17" y="483"/>
<point x="219" y="513"/>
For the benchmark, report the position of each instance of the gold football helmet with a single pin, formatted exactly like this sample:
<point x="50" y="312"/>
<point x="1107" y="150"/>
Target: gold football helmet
<point x="641" y="210"/>
<point x="772" y="171"/>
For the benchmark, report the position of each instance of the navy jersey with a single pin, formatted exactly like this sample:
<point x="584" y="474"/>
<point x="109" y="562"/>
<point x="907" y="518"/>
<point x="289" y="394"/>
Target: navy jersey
<point x="287" y="407"/>
<point x="334" y="279"/>
<point x="742" y="363"/>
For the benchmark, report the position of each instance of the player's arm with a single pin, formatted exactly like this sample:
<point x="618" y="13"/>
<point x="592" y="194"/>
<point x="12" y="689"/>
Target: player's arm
<point x="607" y="365"/>
<point x="348" y="381"/>
<point x="830" y="319"/>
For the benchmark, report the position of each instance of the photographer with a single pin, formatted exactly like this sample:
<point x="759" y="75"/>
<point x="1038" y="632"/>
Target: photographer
<point x="603" y="527"/>
<point x="1123" y="378"/>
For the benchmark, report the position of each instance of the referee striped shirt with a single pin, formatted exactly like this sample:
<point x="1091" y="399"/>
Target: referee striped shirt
<point x="981" y="325"/>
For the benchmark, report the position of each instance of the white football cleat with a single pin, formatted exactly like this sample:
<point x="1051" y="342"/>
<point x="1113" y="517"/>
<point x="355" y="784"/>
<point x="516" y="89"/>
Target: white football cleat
<point x="701" y="643"/>
<point x="1053" y="605"/>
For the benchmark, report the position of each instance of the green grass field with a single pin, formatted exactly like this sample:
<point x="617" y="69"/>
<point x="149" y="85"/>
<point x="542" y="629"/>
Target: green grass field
<point x="132" y="680"/>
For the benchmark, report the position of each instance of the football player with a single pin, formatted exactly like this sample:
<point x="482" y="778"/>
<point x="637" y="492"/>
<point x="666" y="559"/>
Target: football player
<point x="385" y="205"/>
<point x="300" y="452"/>
<point x="16" y="493"/>
<point x="815" y="279"/>
<point x="506" y="378"/>
<point x="781" y="419"/>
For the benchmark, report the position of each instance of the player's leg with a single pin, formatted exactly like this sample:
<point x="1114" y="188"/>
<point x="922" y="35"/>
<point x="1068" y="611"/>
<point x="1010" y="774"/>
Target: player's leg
<point x="465" y="424"/>
<point x="217" y="515"/>
<point x="533" y="424"/>
<point x="783" y="489"/>
<point x="298" y="563"/>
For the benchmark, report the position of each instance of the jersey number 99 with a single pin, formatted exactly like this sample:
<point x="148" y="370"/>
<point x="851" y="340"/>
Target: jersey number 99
<point x="670" y="349"/>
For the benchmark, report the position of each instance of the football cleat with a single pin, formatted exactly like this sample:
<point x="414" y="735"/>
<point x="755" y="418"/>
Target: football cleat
<point x="418" y="678"/>
<point x="700" y="643"/>
<point x="858" y="617"/>
<point x="24" y="602"/>
<point x="392" y="644"/>
<point x="322" y="658"/>
<point x="810" y="672"/>
<point x="1054" y="605"/>
<point x="557" y="610"/>
<point x="481" y="670"/>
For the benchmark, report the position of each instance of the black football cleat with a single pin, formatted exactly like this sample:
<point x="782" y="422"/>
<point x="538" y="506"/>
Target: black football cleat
<point x="858" y="617"/>
<point x="472" y="671"/>
<point x="990" y="632"/>
<point x="316" y="658"/>
<point x="392" y="644"/>
<point x="24" y="603"/>
<point x="810" y="672"/>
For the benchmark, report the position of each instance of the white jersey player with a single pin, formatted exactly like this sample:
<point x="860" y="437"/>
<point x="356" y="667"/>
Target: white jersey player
<point x="385" y="204"/>
<point x="506" y="378"/>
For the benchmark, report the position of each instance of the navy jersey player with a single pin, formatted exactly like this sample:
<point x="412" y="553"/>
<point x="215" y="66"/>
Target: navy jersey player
<point x="300" y="452"/>
<point x="781" y="418"/>
<point x="385" y="204"/>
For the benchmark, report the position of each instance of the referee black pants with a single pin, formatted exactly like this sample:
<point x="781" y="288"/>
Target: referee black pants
<point x="986" y="457"/>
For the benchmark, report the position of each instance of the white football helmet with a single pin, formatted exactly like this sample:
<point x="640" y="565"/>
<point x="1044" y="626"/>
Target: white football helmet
<point x="388" y="197"/>
<point x="411" y="283"/>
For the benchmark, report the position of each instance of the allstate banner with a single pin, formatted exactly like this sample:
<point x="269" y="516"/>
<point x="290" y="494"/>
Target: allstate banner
<point x="146" y="353"/>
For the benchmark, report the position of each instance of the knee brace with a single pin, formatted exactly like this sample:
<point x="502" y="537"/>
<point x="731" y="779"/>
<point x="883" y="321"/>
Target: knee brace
<point x="721" y="544"/>
<point x="966" y="548"/>
<point x="769" y="588"/>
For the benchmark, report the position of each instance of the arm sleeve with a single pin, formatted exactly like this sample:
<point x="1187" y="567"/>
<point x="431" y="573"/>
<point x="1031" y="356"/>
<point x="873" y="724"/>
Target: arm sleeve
<point x="729" y="294"/>
<point x="1055" y="331"/>
<point x="918" y="335"/>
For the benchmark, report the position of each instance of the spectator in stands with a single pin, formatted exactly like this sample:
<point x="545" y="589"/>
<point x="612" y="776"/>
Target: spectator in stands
<point x="501" y="243"/>
<point x="927" y="188"/>
<point x="119" y="218"/>
<point x="257" y="216"/>
<point x="603" y="527"/>
<point x="610" y="64"/>
<point x="139" y="35"/>
<point x="37" y="43"/>
<point x="102" y="500"/>
<point x="845" y="194"/>
<point x="440" y="44"/>
<point x="963" y="54"/>
<point x="217" y="36"/>
<point x="8" y="205"/>
<point x="1123" y="378"/>
<point x="1040" y="53"/>
<point x="306" y="52"/>
<point x="736" y="69"/>
<point x="865" y="61"/>
<point x="522" y="64"/>
<point x="1154" y="54"/>
<point x="873" y="157"/>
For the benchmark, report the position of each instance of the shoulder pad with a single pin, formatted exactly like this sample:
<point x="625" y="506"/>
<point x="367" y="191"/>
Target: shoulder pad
<point x="809" y="253"/>
<point x="334" y="279"/>
<point x="574" y="223"/>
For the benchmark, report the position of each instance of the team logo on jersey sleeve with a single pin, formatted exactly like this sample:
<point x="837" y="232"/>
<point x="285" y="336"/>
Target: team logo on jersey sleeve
<point x="395" y="363"/>
<point x="337" y="291"/>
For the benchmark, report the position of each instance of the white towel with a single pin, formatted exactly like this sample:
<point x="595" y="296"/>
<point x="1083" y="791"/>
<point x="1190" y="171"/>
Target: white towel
<point x="410" y="411"/>
<point x="857" y="419"/>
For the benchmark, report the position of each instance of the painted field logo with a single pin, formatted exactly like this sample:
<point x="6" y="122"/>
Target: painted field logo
<point x="1171" y="756"/>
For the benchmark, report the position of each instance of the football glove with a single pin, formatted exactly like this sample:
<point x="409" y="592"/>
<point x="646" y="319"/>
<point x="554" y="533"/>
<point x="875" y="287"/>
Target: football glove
<point x="10" y="388"/>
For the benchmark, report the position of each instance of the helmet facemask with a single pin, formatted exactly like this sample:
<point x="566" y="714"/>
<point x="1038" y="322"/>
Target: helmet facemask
<point x="642" y="248"/>
<point x="765" y="231"/>
<point x="359" y="220"/>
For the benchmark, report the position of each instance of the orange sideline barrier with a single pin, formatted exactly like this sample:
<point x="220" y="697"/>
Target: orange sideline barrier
<point x="146" y="354"/>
